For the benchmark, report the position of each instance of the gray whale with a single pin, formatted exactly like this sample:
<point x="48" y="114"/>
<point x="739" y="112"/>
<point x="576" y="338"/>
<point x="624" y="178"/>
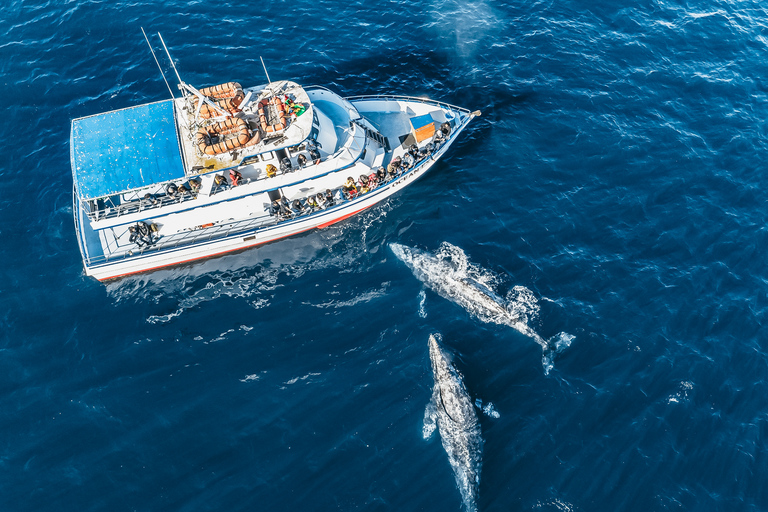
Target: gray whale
<point x="453" y="411"/>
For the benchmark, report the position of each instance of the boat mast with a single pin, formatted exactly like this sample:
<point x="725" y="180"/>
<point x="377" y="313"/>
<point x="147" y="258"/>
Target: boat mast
<point x="269" y="82"/>
<point x="158" y="64"/>
<point x="187" y="89"/>
<point x="265" y="70"/>
<point x="181" y="82"/>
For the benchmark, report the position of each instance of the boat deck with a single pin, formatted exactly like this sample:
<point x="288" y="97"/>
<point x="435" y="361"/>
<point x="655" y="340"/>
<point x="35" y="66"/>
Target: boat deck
<point x="339" y="138"/>
<point x="298" y="129"/>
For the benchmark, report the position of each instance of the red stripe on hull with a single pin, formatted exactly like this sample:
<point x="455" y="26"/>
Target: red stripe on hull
<point x="320" y="226"/>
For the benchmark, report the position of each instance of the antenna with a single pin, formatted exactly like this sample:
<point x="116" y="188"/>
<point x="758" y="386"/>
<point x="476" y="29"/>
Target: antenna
<point x="169" y="58"/>
<point x="156" y="62"/>
<point x="265" y="70"/>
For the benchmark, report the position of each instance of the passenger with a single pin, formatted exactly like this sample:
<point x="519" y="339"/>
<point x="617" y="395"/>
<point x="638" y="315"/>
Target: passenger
<point x="271" y="171"/>
<point x="301" y="160"/>
<point x="363" y="181"/>
<point x="284" y="208"/>
<point x="235" y="177"/>
<point x="274" y="207"/>
<point x="381" y="175"/>
<point x="329" y="201"/>
<point x="314" y="155"/>
<point x="438" y="138"/>
<point x="349" y="188"/>
<point x="141" y="234"/>
<point x="194" y="185"/>
<point x="285" y="165"/>
<point x="372" y="181"/>
<point x="219" y="182"/>
<point x="320" y="201"/>
<point x="151" y="200"/>
<point x="394" y="166"/>
<point x="445" y="129"/>
<point x="407" y="162"/>
<point x="413" y="150"/>
<point x="297" y="208"/>
<point x="134" y="238"/>
<point x="312" y="204"/>
<point x="172" y="191"/>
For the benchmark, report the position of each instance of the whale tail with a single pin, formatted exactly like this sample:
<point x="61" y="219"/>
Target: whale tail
<point x="554" y="345"/>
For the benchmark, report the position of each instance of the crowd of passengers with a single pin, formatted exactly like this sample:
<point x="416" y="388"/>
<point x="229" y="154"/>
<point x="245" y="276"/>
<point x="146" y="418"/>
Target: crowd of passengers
<point x="284" y="209"/>
<point x="144" y="235"/>
<point x="190" y="189"/>
<point x="350" y="189"/>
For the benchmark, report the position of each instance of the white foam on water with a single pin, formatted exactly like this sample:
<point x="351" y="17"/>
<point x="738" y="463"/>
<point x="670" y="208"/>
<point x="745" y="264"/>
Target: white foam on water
<point x="430" y="421"/>
<point x="422" y="304"/>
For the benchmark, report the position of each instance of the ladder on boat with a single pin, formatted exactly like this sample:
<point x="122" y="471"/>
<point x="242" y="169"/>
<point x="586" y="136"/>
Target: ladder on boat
<point x="374" y="136"/>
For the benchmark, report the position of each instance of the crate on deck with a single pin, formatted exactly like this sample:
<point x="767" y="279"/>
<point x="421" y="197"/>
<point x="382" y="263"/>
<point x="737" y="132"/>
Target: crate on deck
<point x="424" y="127"/>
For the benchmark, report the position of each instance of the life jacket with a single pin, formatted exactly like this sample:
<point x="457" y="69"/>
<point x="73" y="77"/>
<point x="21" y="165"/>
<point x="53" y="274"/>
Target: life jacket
<point x="235" y="176"/>
<point x="271" y="171"/>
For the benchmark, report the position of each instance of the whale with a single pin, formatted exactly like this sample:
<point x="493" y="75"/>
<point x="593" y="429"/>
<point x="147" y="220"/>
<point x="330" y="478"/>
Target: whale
<point x="448" y="274"/>
<point x="450" y="281"/>
<point x="452" y="411"/>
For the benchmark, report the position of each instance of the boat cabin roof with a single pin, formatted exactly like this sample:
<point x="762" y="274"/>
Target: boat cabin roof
<point x="125" y="149"/>
<point x="137" y="147"/>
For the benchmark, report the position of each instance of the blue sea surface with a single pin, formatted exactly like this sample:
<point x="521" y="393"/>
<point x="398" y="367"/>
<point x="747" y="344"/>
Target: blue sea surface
<point x="617" y="174"/>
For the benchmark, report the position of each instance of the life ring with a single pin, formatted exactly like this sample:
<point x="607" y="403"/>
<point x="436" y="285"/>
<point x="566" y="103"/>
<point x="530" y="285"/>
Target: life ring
<point x="235" y="127"/>
<point x="230" y="105"/>
<point x="227" y="90"/>
<point x="227" y="96"/>
<point x="279" y="107"/>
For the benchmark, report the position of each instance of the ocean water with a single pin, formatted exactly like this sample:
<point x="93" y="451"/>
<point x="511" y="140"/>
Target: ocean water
<point x="616" y="177"/>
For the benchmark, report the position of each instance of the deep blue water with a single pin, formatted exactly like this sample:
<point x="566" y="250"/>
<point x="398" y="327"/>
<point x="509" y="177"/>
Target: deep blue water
<point x="617" y="173"/>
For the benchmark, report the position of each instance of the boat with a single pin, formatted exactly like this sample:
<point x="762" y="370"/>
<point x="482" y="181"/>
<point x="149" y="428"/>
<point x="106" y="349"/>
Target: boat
<point x="226" y="168"/>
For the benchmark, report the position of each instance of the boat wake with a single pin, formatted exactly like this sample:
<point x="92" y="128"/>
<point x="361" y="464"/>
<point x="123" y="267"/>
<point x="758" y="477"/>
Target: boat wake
<point x="449" y="273"/>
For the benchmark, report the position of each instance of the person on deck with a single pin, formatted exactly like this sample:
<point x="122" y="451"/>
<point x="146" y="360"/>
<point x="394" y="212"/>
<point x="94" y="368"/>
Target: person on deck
<point x="329" y="200"/>
<point x="381" y="175"/>
<point x="194" y="185"/>
<point x="151" y="200"/>
<point x="363" y="182"/>
<point x="349" y="188"/>
<point x="172" y="191"/>
<point x="394" y="166"/>
<point x="235" y="177"/>
<point x="219" y="182"/>
<point x="407" y="162"/>
<point x="297" y="207"/>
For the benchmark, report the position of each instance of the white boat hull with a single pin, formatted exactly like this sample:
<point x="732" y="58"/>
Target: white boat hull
<point x="153" y="260"/>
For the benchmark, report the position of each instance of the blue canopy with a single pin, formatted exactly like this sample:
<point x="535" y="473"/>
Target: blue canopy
<point x="125" y="149"/>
